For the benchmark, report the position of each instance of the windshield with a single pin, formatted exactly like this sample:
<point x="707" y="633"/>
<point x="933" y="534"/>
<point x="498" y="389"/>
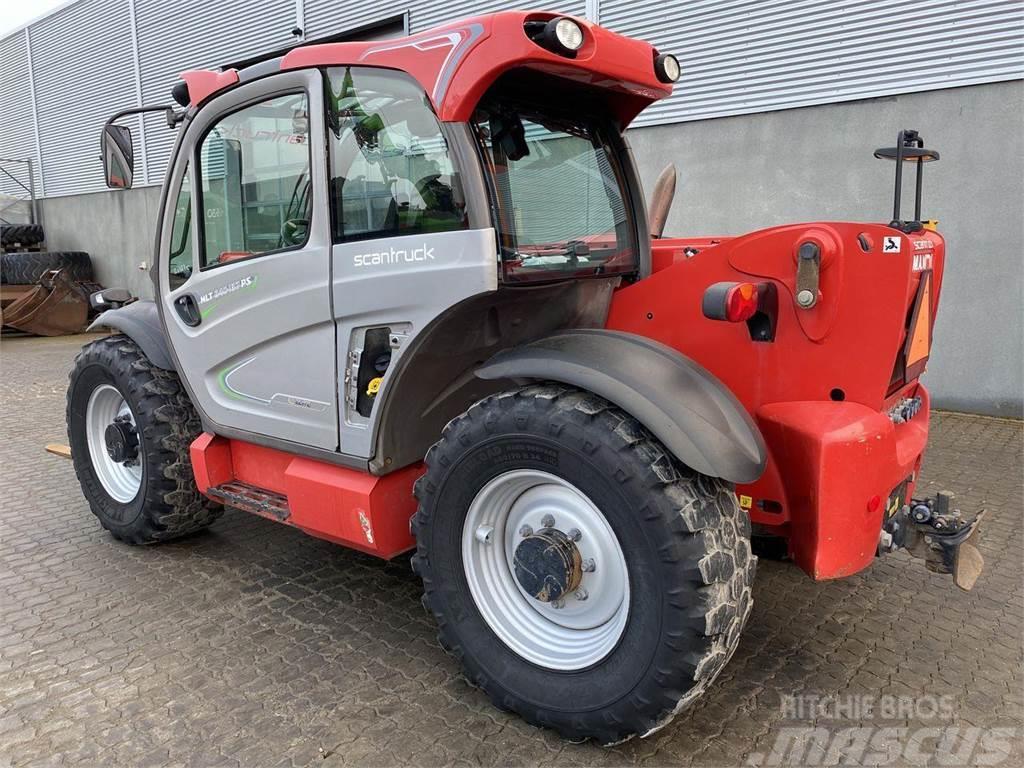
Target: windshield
<point x="559" y="192"/>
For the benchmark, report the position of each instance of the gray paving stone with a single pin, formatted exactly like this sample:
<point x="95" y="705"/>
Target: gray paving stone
<point x="254" y="645"/>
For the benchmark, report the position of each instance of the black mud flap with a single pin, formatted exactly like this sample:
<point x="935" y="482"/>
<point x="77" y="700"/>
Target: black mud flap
<point x="930" y="529"/>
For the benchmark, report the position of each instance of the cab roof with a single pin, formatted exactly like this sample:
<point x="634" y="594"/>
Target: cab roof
<point x="456" y="63"/>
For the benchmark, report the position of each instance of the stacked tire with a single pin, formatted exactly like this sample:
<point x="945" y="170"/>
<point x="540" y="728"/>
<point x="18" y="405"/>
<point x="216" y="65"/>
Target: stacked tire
<point x="21" y="235"/>
<point x="27" y="267"/>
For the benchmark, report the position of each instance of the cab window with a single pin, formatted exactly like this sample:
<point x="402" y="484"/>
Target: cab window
<point x="391" y="173"/>
<point x="180" y="264"/>
<point x="558" y="186"/>
<point x="255" y="181"/>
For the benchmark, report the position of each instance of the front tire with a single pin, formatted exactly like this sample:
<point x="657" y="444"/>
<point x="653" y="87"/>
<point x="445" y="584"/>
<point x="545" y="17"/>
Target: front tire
<point x="130" y="425"/>
<point x="519" y="492"/>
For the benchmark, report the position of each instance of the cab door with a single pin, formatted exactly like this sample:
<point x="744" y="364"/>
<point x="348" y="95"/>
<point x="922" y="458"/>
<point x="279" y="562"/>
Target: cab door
<point x="245" y="263"/>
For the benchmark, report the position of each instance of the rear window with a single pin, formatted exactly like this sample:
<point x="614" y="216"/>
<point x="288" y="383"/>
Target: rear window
<point x="560" y="195"/>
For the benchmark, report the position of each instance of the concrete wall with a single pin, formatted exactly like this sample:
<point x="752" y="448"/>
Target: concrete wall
<point x="116" y="228"/>
<point x="743" y="173"/>
<point x="738" y="174"/>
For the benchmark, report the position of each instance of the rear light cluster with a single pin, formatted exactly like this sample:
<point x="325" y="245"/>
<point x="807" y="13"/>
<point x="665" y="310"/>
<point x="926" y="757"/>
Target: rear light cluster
<point x="734" y="302"/>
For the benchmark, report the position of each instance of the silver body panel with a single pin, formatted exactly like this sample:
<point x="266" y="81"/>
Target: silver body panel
<point x="263" y="358"/>
<point x="403" y="283"/>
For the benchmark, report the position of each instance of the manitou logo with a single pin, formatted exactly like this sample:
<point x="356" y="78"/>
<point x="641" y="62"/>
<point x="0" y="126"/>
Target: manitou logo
<point x="922" y="261"/>
<point x="394" y="256"/>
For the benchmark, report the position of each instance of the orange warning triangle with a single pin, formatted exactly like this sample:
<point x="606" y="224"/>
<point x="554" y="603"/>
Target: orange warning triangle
<point x="921" y="330"/>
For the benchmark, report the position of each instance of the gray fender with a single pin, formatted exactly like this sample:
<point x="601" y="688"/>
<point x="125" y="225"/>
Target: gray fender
<point x="140" y="322"/>
<point x="690" y="411"/>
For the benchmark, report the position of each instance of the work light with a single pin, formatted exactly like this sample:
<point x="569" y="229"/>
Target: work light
<point x="565" y="34"/>
<point x="666" y="67"/>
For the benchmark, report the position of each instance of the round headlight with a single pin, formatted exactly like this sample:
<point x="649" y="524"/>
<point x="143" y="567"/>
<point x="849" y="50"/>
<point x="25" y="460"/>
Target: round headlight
<point x="666" y="67"/>
<point x="565" y="33"/>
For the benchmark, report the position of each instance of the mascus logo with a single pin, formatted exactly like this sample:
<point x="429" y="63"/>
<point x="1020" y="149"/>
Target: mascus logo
<point x="394" y="256"/>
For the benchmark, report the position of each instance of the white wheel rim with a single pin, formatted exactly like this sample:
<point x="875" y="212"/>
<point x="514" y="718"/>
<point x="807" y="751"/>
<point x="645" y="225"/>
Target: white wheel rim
<point x="119" y="480"/>
<point x="583" y="631"/>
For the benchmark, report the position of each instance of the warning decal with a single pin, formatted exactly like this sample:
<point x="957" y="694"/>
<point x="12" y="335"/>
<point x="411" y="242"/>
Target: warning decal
<point x="892" y="244"/>
<point x="919" y="335"/>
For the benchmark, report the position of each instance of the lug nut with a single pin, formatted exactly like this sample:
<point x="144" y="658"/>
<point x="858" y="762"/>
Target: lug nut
<point x="558" y="604"/>
<point x="547" y="521"/>
<point x="484" y="534"/>
<point x="589" y="566"/>
<point x="574" y="534"/>
<point x="526" y="531"/>
<point x="581" y="594"/>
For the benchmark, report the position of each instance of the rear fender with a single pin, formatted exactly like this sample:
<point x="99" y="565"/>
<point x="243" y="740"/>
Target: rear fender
<point x="140" y="322"/>
<point x="685" y="407"/>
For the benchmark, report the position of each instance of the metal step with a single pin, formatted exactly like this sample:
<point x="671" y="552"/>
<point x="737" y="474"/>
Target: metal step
<point x="250" y="498"/>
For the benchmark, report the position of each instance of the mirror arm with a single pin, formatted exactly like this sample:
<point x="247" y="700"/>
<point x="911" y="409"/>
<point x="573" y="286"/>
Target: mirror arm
<point x="173" y="116"/>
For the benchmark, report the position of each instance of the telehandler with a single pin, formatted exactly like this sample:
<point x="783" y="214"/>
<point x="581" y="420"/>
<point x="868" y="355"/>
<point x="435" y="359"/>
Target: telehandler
<point x="408" y="297"/>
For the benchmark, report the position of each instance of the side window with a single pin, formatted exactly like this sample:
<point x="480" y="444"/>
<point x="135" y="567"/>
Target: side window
<point x="390" y="169"/>
<point x="180" y="265"/>
<point x="255" y="183"/>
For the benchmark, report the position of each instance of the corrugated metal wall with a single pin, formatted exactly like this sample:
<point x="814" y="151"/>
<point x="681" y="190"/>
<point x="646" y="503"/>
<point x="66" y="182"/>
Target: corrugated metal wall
<point x="17" y="139"/>
<point x="739" y="56"/>
<point x="83" y="70"/>
<point x="194" y="34"/>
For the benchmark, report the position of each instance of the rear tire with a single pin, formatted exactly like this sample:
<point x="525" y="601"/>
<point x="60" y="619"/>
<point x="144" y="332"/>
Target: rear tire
<point x="684" y="538"/>
<point x="152" y="496"/>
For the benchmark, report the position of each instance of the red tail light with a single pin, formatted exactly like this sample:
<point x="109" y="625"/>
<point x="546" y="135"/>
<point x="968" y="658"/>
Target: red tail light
<point x="734" y="302"/>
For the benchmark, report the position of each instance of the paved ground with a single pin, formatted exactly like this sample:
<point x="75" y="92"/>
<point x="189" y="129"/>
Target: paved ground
<point x="255" y="645"/>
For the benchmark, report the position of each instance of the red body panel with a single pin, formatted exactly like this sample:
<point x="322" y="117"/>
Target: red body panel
<point x="827" y="457"/>
<point x="456" y="63"/>
<point x="342" y="505"/>
<point x="203" y="83"/>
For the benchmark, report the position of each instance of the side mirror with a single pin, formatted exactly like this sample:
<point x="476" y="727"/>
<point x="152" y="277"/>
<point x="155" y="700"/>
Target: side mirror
<point x="118" y="156"/>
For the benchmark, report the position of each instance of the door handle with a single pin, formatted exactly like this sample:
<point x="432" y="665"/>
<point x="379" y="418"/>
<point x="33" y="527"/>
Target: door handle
<point x="188" y="310"/>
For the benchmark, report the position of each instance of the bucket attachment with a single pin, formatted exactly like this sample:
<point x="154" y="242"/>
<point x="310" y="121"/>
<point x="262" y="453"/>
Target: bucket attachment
<point x="931" y="530"/>
<point x="54" y="307"/>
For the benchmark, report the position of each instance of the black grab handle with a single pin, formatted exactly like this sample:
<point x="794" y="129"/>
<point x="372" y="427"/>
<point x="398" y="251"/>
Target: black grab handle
<point x="188" y="309"/>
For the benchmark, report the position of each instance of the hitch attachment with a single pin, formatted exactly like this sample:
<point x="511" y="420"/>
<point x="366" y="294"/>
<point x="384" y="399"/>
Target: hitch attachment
<point x="931" y="530"/>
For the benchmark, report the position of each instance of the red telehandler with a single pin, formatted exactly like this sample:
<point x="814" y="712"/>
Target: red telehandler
<point x="408" y="297"/>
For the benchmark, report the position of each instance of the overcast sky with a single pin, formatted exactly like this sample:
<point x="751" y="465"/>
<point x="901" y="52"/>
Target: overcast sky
<point x="14" y="14"/>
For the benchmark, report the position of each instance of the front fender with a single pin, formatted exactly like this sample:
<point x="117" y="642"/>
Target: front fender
<point x="140" y="322"/>
<point x="685" y="407"/>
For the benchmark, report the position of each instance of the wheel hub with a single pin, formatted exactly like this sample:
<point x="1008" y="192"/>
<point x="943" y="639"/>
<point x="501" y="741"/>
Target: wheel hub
<point x="121" y="440"/>
<point x="545" y="569"/>
<point x="548" y="565"/>
<point x="115" y="450"/>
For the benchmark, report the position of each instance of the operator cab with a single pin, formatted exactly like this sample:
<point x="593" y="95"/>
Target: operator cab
<point x="336" y="219"/>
